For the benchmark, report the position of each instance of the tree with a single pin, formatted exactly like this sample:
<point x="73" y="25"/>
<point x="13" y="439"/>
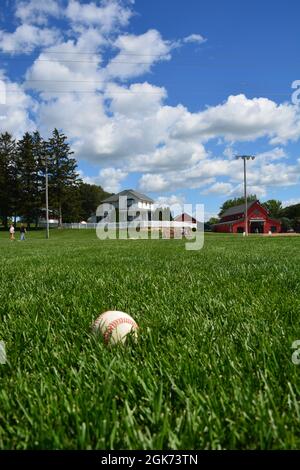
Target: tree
<point x="71" y="205"/>
<point x="293" y="214"/>
<point x="7" y="176"/>
<point x="236" y="202"/>
<point x="62" y="171"/>
<point x="213" y="221"/>
<point x="286" y="224"/>
<point x="90" y="196"/>
<point x="274" y="208"/>
<point x="28" y="178"/>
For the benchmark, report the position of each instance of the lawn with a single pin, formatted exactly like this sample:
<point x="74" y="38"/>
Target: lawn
<point x="212" y="368"/>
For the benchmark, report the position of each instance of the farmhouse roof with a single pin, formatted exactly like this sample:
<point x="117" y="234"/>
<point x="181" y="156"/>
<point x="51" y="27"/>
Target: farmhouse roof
<point x="129" y="192"/>
<point x="237" y="209"/>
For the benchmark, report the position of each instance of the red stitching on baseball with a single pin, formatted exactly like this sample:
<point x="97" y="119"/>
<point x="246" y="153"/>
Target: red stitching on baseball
<point x="114" y="325"/>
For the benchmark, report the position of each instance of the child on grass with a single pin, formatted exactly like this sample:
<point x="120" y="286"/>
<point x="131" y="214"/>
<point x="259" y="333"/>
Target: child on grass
<point x="22" y="232"/>
<point x="12" y="232"/>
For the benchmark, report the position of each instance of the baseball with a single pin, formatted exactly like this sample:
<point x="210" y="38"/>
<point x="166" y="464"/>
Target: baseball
<point x="115" y="326"/>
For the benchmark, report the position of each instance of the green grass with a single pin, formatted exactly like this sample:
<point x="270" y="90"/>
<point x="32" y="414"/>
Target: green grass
<point x="212" y="368"/>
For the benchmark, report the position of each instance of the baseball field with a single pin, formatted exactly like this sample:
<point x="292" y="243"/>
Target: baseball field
<point x="212" y="368"/>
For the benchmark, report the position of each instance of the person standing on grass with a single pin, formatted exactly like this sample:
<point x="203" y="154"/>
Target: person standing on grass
<point x="22" y="232"/>
<point x="12" y="232"/>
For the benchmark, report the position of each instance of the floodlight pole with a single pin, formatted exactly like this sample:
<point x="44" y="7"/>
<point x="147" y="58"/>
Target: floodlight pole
<point x="245" y="158"/>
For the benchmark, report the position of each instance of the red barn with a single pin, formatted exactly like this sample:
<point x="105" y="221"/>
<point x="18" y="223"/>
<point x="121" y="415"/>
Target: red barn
<point x="185" y="218"/>
<point x="233" y="220"/>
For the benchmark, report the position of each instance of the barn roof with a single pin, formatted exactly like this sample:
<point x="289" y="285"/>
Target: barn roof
<point x="129" y="192"/>
<point x="237" y="209"/>
<point x="185" y="218"/>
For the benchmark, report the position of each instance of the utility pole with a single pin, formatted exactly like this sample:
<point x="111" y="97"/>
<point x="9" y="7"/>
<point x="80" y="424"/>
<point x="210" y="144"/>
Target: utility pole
<point x="245" y="158"/>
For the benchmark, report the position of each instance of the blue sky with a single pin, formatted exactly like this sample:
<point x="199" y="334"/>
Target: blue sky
<point x="160" y="95"/>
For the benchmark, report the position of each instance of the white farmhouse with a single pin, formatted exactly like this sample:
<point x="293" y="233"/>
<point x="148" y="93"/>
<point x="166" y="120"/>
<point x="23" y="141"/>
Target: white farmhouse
<point x="126" y="206"/>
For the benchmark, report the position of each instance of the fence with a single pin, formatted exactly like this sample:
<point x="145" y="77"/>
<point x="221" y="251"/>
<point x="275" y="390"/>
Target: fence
<point x="152" y="224"/>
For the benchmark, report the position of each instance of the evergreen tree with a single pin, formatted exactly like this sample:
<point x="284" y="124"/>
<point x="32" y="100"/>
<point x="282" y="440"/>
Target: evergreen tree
<point x="62" y="171"/>
<point x="91" y="197"/>
<point x="7" y="176"/>
<point x="28" y="177"/>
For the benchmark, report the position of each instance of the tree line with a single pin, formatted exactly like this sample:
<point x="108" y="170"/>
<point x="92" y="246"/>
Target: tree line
<point x="288" y="216"/>
<point x="23" y="166"/>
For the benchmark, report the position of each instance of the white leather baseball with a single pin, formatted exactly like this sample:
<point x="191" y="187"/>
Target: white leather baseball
<point x="115" y="326"/>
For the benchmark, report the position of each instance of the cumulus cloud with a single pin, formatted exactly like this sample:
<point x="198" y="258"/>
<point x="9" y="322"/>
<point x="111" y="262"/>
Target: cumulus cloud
<point x="169" y="155"/>
<point x="67" y="64"/>
<point x="241" y="119"/>
<point x="27" y="37"/>
<point x="277" y="153"/>
<point x="15" y="115"/>
<point x="152" y="182"/>
<point x="204" y="175"/>
<point x="194" y="38"/>
<point x="171" y="200"/>
<point x="109" y="178"/>
<point x="107" y="16"/>
<point x="138" y="53"/>
<point x="139" y="99"/>
<point x="37" y="11"/>
<point x="219" y="188"/>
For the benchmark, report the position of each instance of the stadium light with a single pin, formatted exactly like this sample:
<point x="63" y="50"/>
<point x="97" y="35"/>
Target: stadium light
<point x="245" y="158"/>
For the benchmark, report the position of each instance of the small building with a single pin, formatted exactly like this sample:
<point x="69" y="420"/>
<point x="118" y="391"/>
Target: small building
<point x="233" y="220"/>
<point x="186" y="223"/>
<point x="185" y="218"/>
<point x="139" y="203"/>
<point x="52" y="219"/>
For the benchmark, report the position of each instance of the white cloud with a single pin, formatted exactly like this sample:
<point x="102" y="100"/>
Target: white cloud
<point x="110" y="15"/>
<point x="139" y="99"/>
<point x="26" y="38"/>
<point x="130" y="128"/>
<point x="229" y="152"/>
<point x="138" y="54"/>
<point x="238" y="190"/>
<point x="291" y="202"/>
<point x="260" y="176"/>
<point x="194" y="38"/>
<point x="241" y="119"/>
<point x="109" y="178"/>
<point x="69" y="67"/>
<point x="37" y="11"/>
<point x="273" y="174"/>
<point x="169" y="156"/>
<point x="15" y="113"/>
<point x="271" y="155"/>
<point x="219" y="188"/>
<point x="83" y="119"/>
<point x="172" y="200"/>
<point x="155" y="183"/>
